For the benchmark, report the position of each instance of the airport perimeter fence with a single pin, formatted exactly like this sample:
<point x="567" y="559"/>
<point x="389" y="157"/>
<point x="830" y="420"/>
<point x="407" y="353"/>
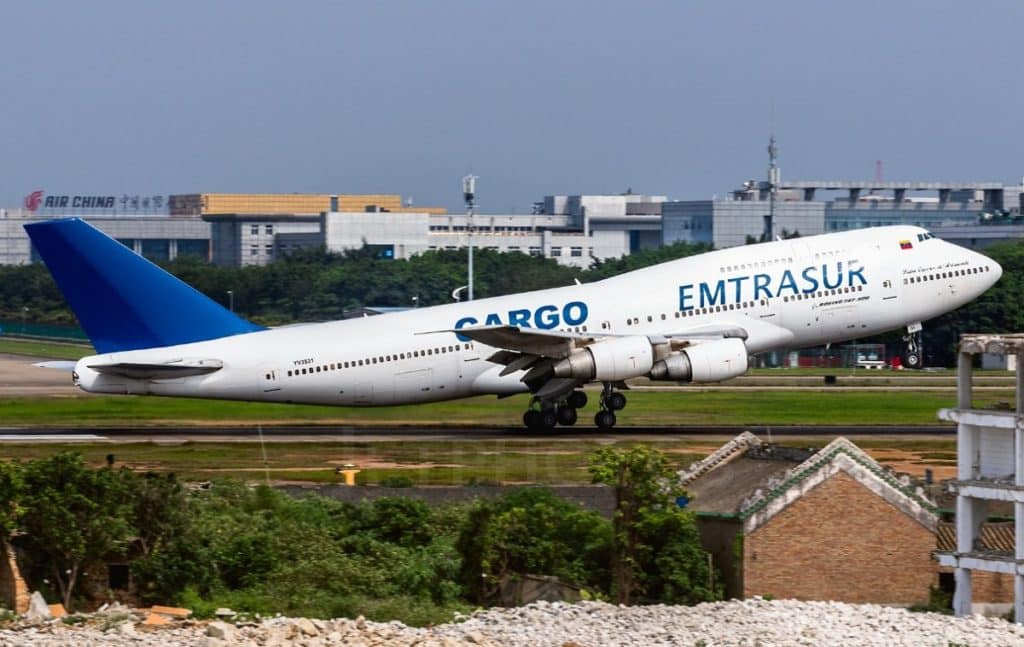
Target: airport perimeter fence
<point x="45" y="332"/>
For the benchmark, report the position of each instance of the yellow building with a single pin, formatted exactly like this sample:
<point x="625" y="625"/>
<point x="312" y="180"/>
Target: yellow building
<point x="200" y="204"/>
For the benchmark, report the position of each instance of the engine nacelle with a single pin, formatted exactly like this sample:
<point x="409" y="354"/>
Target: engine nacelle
<point x="610" y="360"/>
<point x="708" y="362"/>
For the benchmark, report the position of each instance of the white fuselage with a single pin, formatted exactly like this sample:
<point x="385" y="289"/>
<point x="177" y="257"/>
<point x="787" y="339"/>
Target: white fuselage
<point x="785" y="294"/>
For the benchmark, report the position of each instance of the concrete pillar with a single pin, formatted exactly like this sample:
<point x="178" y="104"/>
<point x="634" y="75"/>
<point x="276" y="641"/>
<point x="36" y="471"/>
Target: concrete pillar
<point x="809" y="194"/>
<point x="1018" y="508"/>
<point x="963" y="380"/>
<point x="854" y="195"/>
<point x="1018" y="579"/>
<point x="943" y="196"/>
<point x="1020" y="388"/>
<point x="970" y="513"/>
<point x="898" y="195"/>
<point x="966" y="524"/>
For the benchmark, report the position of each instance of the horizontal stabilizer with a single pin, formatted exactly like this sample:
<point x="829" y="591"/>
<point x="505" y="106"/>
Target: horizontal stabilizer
<point x="166" y="371"/>
<point x="58" y="365"/>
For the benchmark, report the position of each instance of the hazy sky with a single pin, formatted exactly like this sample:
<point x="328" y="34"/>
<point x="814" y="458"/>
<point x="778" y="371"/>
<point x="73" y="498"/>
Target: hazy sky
<point x="534" y="97"/>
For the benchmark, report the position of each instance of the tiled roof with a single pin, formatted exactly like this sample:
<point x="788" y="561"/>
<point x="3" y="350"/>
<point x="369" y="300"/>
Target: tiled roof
<point x="839" y="455"/>
<point x="996" y="536"/>
<point x="724" y="488"/>
<point x="727" y="452"/>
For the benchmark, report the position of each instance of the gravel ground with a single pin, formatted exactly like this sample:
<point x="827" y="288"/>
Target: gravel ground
<point x="592" y="624"/>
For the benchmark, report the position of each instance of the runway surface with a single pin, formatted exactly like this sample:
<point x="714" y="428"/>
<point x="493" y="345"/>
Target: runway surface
<point x="18" y="378"/>
<point x="441" y="434"/>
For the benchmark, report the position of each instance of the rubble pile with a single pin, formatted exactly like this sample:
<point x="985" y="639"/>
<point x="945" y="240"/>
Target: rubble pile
<point x="587" y="624"/>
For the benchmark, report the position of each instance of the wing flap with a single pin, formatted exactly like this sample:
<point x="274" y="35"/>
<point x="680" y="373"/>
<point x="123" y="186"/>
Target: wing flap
<point x="532" y="341"/>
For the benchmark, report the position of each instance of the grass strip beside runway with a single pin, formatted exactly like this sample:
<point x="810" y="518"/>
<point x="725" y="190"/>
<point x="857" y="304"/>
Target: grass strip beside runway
<point x="38" y="348"/>
<point x="444" y="462"/>
<point x="797" y="407"/>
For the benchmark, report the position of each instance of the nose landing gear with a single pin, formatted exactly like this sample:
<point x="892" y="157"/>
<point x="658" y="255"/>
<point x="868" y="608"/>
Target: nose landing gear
<point x="913" y="351"/>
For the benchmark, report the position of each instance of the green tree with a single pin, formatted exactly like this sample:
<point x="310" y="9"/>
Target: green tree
<point x="73" y="515"/>
<point x="158" y="509"/>
<point x="602" y="269"/>
<point x="532" y="531"/>
<point x="656" y="553"/>
<point x="11" y="494"/>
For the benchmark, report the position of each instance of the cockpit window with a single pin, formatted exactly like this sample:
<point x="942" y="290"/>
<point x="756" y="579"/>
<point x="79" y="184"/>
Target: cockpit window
<point x="925" y="236"/>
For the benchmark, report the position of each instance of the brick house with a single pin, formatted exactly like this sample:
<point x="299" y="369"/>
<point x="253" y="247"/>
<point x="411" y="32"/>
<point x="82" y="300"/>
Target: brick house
<point x="14" y="594"/>
<point x="831" y="524"/>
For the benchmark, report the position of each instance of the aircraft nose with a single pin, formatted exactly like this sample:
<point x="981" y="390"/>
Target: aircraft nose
<point x="995" y="270"/>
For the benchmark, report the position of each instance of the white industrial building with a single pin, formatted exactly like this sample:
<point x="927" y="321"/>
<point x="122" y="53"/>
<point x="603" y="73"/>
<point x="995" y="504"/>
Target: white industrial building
<point x="573" y="230"/>
<point x="159" y="238"/>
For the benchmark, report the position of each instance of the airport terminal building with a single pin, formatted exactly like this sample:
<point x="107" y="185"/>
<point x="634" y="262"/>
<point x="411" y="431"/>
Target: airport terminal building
<point x="234" y="229"/>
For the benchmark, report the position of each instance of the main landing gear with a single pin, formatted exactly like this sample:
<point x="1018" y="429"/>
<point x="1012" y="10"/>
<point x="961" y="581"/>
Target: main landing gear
<point x="549" y="414"/>
<point x="611" y="401"/>
<point x="543" y="416"/>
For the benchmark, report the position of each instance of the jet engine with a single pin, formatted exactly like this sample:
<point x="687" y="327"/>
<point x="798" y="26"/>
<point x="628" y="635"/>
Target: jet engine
<point x="711" y="361"/>
<point x="610" y="360"/>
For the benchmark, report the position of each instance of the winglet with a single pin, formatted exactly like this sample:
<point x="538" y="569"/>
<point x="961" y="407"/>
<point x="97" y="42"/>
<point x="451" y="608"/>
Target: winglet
<point x="123" y="301"/>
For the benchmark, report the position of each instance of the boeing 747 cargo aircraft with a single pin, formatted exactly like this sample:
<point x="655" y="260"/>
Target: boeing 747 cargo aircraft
<point x="695" y="319"/>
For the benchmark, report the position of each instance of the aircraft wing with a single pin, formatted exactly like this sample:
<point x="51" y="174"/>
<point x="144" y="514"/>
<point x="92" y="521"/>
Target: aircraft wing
<point x="545" y="343"/>
<point x="159" y="371"/>
<point x="558" y="344"/>
<point x="536" y="351"/>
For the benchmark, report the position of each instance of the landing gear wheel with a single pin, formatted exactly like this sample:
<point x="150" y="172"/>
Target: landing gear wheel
<point x="531" y="419"/>
<point x="547" y="419"/>
<point x="605" y="419"/>
<point x="616" y="401"/>
<point x="913" y="354"/>
<point x="567" y="416"/>
<point x="577" y="400"/>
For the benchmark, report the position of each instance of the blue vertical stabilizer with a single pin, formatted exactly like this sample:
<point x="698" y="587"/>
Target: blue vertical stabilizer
<point x="123" y="301"/>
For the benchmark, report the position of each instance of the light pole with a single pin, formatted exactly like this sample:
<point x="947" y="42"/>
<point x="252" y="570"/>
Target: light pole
<point x="231" y="300"/>
<point x="468" y="194"/>
<point x="773" y="185"/>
